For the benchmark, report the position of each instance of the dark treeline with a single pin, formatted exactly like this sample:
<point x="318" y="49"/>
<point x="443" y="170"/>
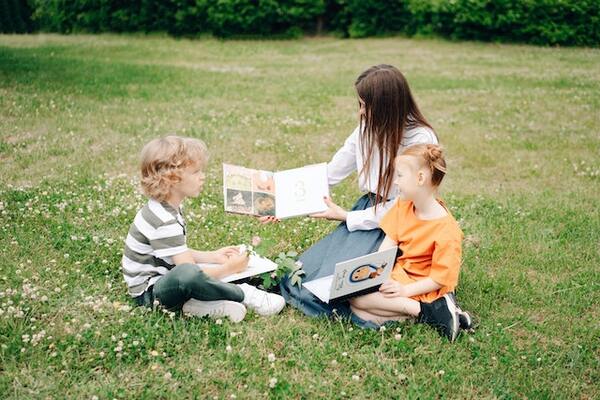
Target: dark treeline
<point x="542" y="22"/>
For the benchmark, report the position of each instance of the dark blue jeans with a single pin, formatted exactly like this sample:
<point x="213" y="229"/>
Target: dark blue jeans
<point x="184" y="282"/>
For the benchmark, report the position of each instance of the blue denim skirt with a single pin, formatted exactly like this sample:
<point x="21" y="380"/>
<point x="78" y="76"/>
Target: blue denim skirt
<point x="320" y="259"/>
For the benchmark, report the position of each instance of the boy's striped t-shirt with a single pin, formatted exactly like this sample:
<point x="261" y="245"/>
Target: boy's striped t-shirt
<point x="156" y="234"/>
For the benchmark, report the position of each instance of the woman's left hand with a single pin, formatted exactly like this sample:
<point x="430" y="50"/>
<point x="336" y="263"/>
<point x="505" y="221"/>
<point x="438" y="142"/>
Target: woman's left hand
<point x="222" y="255"/>
<point x="333" y="212"/>
<point x="393" y="288"/>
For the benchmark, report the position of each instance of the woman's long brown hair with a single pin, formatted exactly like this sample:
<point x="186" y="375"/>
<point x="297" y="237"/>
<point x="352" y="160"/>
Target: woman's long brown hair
<point x="390" y="111"/>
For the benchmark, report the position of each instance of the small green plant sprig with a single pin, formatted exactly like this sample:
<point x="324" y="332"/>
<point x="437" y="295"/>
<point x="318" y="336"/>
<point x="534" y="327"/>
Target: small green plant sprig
<point x="287" y="264"/>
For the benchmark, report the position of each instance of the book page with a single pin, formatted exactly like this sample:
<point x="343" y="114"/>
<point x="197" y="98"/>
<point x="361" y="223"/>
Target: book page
<point x="248" y="191"/>
<point x="256" y="265"/>
<point x="320" y="287"/>
<point x="300" y="191"/>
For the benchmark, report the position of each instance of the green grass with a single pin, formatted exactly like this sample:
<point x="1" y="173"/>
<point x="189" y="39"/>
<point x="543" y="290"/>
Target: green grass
<point x="521" y="126"/>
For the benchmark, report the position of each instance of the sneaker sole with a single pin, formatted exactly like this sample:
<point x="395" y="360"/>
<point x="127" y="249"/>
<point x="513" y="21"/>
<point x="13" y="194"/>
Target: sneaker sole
<point x="467" y="322"/>
<point x="215" y="309"/>
<point x="271" y="312"/>
<point x="454" y="312"/>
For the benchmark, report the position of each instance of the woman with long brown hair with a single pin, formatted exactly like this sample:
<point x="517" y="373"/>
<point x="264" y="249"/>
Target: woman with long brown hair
<point x="389" y="122"/>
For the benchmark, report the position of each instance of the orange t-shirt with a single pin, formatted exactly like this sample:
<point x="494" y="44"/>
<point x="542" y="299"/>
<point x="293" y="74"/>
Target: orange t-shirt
<point x="430" y="248"/>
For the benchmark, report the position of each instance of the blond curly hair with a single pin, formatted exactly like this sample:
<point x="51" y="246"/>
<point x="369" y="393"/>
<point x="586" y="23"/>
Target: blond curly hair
<point x="163" y="161"/>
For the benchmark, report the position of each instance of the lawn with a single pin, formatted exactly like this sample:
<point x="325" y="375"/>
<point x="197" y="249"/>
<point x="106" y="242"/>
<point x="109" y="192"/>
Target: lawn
<point x="521" y="126"/>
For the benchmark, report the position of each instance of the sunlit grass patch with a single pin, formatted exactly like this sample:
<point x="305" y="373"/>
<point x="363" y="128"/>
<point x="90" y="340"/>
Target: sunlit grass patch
<point x="520" y="126"/>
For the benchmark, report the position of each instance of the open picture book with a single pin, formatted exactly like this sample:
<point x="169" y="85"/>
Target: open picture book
<point x="256" y="265"/>
<point x="354" y="277"/>
<point x="283" y="194"/>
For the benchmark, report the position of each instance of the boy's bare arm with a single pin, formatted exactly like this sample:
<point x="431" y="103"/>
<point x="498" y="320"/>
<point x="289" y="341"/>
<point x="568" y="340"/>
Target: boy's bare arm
<point x="219" y="256"/>
<point x="187" y="257"/>
<point x="234" y="265"/>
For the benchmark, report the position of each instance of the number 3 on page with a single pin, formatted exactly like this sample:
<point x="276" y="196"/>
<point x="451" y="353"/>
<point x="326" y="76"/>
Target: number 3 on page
<point x="300" y="191"/>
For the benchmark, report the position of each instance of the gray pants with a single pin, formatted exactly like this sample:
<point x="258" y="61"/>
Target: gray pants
<point x="184" y="282"/>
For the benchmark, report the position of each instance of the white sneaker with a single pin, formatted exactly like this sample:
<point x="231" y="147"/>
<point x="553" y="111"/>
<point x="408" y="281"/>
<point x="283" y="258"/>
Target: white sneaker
<point x="215" y="309"/>
<point x="264" y="303"/>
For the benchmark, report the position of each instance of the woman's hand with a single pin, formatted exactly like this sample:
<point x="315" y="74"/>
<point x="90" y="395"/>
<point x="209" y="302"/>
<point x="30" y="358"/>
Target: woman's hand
<point x="333" y="212"/>
<point x="267" y="219"/>
<point x="393" y="288"/>
<point x="222" y="255"/>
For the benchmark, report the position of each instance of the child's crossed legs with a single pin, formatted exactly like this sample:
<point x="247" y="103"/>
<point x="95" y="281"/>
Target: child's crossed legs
<point x="379" y="309"/>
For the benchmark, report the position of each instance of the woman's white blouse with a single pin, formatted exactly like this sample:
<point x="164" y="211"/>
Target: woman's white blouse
<point x="350" y="158"/>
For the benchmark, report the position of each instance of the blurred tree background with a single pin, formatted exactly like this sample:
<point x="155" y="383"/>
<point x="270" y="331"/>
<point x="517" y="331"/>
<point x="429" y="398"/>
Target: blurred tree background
<point x="542" y="22"/>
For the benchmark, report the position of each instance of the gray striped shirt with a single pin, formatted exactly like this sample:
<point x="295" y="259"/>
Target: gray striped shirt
<point x="156" y="234"/>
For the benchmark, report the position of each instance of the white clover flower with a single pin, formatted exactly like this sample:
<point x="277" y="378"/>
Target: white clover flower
<point x="355" y="377"/>
<point x="219" y="321"/>
<point x="397" y="336"/>
<point x="271" y="357"/>
<point x="272" y="382"/>
<point x="228" y="349"/>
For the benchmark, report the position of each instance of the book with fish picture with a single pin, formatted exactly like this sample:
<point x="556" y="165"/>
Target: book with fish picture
<point x="355" y="277"/>
<point x="283" y="194"/>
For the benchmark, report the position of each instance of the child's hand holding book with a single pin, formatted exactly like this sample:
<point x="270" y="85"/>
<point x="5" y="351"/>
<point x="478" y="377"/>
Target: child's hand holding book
<point x="222" y="255"/>
<point x="237" y="263"/>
